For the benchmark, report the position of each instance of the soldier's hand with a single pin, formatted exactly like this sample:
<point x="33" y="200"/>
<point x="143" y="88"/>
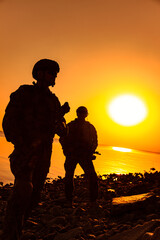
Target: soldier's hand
<point x="65" y="107"/>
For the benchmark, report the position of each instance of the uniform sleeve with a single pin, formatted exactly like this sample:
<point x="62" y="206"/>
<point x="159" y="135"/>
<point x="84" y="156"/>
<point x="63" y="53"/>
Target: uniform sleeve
<point x="60" y="122"/>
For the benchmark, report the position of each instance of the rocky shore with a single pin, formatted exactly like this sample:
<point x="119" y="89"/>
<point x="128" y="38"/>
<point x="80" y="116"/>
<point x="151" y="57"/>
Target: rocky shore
<point x="128" y="208"/>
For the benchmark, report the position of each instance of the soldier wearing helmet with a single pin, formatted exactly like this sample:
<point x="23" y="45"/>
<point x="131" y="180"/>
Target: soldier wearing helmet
<point x="32" y="118"/>
<point x="79" y="146"/>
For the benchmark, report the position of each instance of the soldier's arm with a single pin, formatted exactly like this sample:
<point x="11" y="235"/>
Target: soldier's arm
<point x="65" y="108"/>
<point x="60" y="128"/>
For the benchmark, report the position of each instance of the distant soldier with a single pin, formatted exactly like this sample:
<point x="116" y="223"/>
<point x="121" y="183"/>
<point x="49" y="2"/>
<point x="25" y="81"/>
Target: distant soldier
<point x="32" y="118"/>
<point x="79" y="147"/>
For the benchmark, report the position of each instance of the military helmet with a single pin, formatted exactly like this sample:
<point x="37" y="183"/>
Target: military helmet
<point x="45" y="65"/>
<point x="82" y="110"/>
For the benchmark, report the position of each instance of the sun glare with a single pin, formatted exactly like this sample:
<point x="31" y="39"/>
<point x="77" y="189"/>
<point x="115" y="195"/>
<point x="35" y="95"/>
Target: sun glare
<point x="127" y="110"/>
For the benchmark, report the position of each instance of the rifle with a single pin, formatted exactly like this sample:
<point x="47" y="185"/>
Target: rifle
<point x="93" y="156"/>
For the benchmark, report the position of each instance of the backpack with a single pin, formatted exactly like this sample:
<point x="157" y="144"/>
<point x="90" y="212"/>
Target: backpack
<point x="12" y="113"/>
<point x="7" y="124"/>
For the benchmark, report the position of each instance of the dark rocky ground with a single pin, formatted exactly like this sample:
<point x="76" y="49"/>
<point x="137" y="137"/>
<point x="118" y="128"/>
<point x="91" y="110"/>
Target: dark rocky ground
<point x="112" y="219"/>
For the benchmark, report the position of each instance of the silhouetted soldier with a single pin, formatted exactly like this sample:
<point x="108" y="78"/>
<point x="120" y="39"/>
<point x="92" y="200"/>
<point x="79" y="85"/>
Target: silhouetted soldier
<point x="33" y="116"/>
<point x="79" y="146"/>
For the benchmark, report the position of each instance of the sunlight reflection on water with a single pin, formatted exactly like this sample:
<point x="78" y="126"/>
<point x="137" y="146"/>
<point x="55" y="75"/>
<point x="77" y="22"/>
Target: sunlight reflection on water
<point x="110" y="161"/>
<point x="126" y="161"/>
<point x="120" y="149"/>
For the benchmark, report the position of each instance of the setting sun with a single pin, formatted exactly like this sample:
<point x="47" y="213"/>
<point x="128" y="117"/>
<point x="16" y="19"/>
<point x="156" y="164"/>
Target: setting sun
<point x="127" y="110"/>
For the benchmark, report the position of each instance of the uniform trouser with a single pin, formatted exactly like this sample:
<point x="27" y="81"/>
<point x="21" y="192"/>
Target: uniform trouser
<point x="87" y="165"/>
<point x="29" y="181"/>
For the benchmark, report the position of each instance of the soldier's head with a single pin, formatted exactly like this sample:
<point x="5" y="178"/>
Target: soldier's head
<point x="82" y="112"/>
<point x="45" y="71"/>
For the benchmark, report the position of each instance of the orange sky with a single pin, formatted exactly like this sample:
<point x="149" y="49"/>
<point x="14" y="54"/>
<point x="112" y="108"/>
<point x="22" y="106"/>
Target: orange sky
<point x="104" y="48"/>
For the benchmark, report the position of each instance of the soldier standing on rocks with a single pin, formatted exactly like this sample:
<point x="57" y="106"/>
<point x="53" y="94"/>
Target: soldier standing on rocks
<point x="32" y="118"/>
<point x="79" y="146"/>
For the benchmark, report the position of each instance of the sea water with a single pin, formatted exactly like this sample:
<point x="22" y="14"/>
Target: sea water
<point x="111" y="160"/>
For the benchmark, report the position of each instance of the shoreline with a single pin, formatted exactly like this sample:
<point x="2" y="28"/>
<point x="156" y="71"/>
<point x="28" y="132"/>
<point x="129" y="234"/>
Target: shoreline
<point x="51" y="220"/>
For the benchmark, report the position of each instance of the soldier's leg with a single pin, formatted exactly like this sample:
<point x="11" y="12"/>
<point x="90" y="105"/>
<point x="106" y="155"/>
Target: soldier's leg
<point x="39" y="175"/>
<point x="16" y="208"/>
<point x="88" y="168"/>
<point x="69" y="166"/>
<point x="38" y="183"/>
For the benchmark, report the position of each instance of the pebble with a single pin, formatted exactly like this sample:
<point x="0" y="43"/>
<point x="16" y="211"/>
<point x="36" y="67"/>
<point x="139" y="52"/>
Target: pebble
<point x="51" y="220"/>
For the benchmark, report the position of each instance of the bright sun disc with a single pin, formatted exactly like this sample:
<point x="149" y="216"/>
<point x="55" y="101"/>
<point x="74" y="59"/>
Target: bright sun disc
<point x="127" y="110"/>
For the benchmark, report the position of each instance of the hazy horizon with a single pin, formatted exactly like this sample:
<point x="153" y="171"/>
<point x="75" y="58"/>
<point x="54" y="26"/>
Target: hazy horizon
<point x="110" y="161"/>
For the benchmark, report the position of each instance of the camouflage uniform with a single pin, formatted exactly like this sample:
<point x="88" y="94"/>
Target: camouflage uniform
<point x="32" y="114"/>
<point x="78" y="147"/>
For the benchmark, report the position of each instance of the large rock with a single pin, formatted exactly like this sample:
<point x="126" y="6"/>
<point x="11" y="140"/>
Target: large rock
<point x="131" y="199"/>
<point x="132" y="203"/>
<point x="137" y="232"/>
